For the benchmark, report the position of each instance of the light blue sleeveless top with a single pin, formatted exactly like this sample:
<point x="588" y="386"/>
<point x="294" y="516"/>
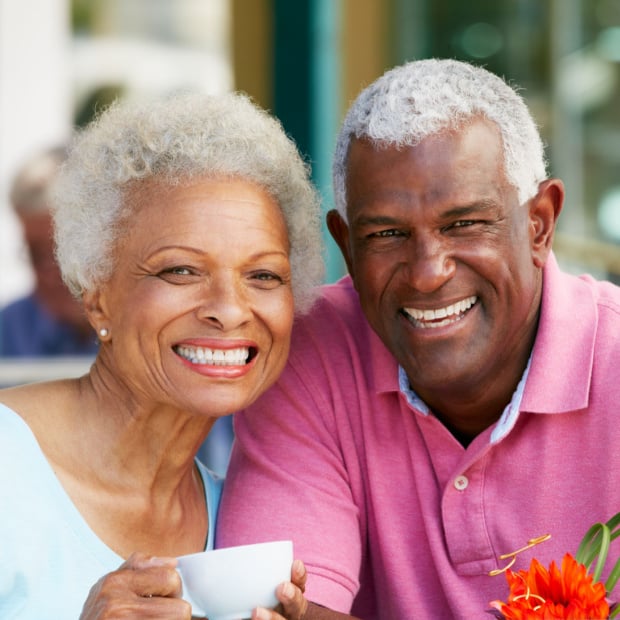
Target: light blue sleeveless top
<point x="49" y="557"/>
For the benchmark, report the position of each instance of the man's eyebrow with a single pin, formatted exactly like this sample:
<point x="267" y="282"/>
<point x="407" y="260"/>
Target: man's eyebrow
<point x="468" y="209"/>
<point x="464" y="210"/>
<point x="375" y="220"/>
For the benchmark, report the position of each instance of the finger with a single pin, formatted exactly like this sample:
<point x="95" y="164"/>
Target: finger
<point x="294" y="604"/>
<point x="148" y="576"/>
<point x="142" y="560"/>
<point x="154" y="581"/>
<point x="136" y="607"/>
<point x="299" y="575"/>
<point x="161" y="607"/>
<point x="162" y="581"/>
<point x="260" y="613"/>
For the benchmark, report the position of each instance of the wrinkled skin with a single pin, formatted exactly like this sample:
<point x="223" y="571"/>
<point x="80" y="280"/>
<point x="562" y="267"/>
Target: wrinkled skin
<point x="142" y="587"/>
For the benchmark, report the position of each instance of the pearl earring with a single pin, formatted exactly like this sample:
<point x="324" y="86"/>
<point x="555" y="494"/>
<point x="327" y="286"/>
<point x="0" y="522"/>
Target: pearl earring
<point x="103" y="332"/>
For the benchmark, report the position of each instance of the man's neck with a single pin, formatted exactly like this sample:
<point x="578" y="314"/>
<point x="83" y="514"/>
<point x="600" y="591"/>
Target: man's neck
<point x="466" y="415"/>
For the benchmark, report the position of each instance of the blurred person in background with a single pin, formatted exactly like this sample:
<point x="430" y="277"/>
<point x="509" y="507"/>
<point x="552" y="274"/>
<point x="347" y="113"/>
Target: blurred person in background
<point x="48" y="321"/>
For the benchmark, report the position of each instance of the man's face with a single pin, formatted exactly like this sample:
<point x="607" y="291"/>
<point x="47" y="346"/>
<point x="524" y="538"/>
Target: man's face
<point x="444" y="257"/>
<point x="50" y="288"/>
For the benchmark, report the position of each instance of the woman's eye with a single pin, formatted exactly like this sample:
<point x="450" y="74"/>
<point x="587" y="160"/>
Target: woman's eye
<point x="176" y="274"/>
<point x="179" y="271"/>
<point x="267" y="276"/>
<point x="267" y="279"/>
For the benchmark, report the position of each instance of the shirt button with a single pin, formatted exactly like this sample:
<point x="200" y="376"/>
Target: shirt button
<point x="461" y="483"/>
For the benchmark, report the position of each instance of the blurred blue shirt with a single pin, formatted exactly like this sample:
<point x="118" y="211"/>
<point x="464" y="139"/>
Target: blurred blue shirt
<point x="28" y="330"/>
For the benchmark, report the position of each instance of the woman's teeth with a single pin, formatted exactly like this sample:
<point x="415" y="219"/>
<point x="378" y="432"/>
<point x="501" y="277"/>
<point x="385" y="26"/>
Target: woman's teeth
<point x="214" y="357"/>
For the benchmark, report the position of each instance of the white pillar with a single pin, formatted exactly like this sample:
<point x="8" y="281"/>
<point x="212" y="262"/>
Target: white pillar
<point x="35" y="108"/>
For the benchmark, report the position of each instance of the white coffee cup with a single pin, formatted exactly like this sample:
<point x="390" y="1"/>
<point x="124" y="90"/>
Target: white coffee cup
<point x="228" y="583"/>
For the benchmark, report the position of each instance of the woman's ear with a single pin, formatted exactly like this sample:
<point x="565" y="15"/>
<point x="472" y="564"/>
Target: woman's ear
<point x="94" y="307"/>
<point x="339" y="230"/>
<point x="544" y="210"/>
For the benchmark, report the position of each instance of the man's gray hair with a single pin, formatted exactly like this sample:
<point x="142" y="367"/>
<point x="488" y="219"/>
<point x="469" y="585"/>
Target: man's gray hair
<point x="173" y="140"/>
<point x="424" y="97"/>
<point x="31" y="187"/>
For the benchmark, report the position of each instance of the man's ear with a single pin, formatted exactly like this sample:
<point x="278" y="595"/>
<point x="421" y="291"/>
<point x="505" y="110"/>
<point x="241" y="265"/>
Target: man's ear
<point x="544" y="210"/>
<point x="339" y="230"/>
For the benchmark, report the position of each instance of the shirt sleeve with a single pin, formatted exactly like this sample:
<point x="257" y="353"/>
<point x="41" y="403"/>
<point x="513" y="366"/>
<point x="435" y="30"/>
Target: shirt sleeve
<point x="288" y="478"/>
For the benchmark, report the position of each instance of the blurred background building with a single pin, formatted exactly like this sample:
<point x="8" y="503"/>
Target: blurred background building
<point x="305" y="60"/>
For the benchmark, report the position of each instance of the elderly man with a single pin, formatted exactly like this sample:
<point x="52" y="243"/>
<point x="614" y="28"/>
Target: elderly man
<point x="48" y="321"/>
<point x="453" y="397"/>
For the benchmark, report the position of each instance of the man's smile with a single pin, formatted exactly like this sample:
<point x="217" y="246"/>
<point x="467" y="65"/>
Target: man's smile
<point x="439" y="317"/>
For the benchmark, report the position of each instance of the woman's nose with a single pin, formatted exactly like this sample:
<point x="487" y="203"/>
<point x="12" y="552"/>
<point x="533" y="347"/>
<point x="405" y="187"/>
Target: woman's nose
<point x="225" y="304"/>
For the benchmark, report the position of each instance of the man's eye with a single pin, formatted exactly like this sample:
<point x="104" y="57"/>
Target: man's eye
<point x="462" y="224"/>
<point x="390" y="232"/>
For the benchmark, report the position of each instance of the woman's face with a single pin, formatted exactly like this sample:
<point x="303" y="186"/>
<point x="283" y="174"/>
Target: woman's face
<point x="199" y="307"/>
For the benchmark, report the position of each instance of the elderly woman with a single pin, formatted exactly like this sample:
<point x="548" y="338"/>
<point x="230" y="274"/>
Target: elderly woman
<point x="189" y="230"/>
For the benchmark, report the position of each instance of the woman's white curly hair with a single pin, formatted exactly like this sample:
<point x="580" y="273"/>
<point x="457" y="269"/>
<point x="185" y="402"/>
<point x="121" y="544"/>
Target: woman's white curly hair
<point x="424" y="97"/>
<point x="175" y="139"/>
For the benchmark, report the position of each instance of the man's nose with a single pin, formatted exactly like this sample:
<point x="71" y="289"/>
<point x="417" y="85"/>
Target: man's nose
<point x="429" y="264"/>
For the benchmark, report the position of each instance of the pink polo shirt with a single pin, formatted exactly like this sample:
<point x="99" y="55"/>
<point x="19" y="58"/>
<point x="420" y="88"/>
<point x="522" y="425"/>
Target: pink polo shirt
<point x="392" y="516"/>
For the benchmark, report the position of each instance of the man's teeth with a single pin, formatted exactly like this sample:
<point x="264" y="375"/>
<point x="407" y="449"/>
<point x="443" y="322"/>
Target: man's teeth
<point x="214" y="357"/>
<point x="440" y="316"/>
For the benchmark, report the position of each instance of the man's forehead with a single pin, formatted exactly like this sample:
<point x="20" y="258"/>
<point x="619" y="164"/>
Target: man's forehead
<point x="449" y="170"/>
<point x="473" y="126"/>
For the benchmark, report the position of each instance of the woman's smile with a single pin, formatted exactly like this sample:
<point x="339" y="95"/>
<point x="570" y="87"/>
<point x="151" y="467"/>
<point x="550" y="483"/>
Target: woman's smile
<point x="214" y="357"/>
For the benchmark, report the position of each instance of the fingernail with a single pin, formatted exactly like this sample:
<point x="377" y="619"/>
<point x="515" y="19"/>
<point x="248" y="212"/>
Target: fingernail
<point x="155" y="561"/>
<point x="287" y="591"/>
<point x="261" y="614"/>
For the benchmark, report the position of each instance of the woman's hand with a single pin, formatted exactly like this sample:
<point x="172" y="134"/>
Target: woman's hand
<point x="142" y="587"/>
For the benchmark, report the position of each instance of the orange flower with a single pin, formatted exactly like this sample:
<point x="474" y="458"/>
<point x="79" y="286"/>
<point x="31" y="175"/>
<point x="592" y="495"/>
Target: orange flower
<point x="554" y="594"/>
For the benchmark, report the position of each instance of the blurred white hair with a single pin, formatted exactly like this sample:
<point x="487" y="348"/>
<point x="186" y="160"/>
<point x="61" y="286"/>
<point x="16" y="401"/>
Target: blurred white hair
<point x="31" y="187"/>
<point x="175" y="139"/>
<point x="421" y="98"/>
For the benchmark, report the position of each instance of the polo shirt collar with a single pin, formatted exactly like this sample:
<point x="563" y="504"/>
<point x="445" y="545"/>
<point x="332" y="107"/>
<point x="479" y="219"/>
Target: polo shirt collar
<point x="504" y="425"/>
<point x="563" y="353"/>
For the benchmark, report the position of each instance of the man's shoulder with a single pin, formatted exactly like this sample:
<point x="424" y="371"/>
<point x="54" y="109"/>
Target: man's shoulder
<point x="335" y="325"/>
<point x="566" y="292"/>
<point x="340" y="296"/>
<point x="607" y="293"/>
<point x="604" y="295"/>
<point x="336" y="307"/>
